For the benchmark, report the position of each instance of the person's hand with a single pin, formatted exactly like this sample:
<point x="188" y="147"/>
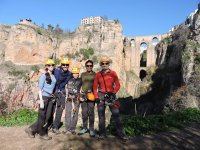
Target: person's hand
<point x="110" y="95"/>
<point x="41" y="104"/>
<point x="97" y="100"/>
<point x="43" y="71"/>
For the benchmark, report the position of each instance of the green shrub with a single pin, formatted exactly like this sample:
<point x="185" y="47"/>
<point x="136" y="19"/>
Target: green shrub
<point x="57" y="61"/>
<point x="35" y="68"/>
<point x="86" y="53"/>
<point x="138" y="125"/>
<point x="39" y="31"/>
<point x="94" y="59"/>
<point x="18" y="118"/>
<point x="20" y="73"/>
<point x="167" y="40"/>
<point x="69" y="55"/>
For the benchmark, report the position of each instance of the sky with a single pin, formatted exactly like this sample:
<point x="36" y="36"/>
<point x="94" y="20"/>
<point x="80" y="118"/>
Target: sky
<point x="138" y="17"/>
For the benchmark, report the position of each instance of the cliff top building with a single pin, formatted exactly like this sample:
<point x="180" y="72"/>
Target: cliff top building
<point x="91" y="20"/>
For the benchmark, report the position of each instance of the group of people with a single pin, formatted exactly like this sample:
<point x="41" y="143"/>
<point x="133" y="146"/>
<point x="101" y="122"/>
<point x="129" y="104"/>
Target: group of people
<point x="61" y="89"/>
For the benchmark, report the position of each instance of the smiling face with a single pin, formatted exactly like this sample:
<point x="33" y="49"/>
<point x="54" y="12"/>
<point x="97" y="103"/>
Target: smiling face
<point x="105" y="65"/>
<point x="50" y="67"/>
<point x="65" y="67"/>
<point x="75" y="75"/>
<point x="89" y="66"/>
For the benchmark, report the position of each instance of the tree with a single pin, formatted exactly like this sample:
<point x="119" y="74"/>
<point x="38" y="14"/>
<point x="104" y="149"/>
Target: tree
<point x="58" y="30"/>
<point x="50" y="27"/>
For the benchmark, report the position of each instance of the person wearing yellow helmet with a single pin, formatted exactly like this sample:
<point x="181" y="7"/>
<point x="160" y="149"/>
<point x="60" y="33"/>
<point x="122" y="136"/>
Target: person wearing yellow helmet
<point x="87" y="99"/>
<point x="63" y="75"/>
<point x="72" y="101"/>
<point x="47" y="83"/>
<point x="106" y="85"/>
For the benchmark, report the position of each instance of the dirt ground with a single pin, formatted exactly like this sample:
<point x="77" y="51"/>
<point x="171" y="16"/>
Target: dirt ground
<point x="15" y="138"/>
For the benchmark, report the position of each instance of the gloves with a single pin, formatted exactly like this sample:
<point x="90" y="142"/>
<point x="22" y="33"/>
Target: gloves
<point x="41" y="104"/>
<point x="97" y="100"/>
<point x="110" y="95"/>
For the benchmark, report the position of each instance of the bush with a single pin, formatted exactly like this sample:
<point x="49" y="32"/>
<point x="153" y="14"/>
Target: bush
<point x="35" y="68"/>
<point x="18" y="118"/>
<point x="39" y="31"/>
<point x="94" y="59"/>
<point x="137" y="125"/>
<point x="57" y="61"/>
<point x="21" y="73"/>
<point x="86" y="53"/>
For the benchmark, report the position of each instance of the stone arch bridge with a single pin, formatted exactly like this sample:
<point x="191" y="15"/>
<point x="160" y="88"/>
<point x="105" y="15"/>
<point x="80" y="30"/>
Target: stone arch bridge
<point x="143" y="52"/>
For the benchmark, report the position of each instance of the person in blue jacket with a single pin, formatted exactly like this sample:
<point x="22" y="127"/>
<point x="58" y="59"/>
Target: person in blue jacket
<point x="62" y="75"/>
<point x="46" y="86"/>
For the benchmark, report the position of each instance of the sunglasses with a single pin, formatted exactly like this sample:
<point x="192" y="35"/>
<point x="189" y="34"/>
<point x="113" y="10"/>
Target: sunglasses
<point x="50" y="65"/>
<point x="104" y="64"/>
<point x="89" y="66"/>
<point x="65" y="65"/>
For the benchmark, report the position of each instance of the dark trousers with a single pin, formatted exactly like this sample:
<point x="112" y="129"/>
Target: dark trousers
<point x="59" y="111"/>
<point x="71" y="118"/>
<point x="115" y="115"/>
<point x="88" y="113"/>
<point x="44" y="118"/>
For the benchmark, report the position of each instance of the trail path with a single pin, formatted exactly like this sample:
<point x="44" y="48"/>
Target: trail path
<point x="15" y="138"/>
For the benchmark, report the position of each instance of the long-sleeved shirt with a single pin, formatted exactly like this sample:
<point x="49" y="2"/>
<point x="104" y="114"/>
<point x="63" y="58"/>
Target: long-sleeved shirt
<point x="111" y="81"/>
<point x="62" y="78"/>
<point x="73" y="87"/>
<point x="87" y="80"/>
<point x="46" y="89"/>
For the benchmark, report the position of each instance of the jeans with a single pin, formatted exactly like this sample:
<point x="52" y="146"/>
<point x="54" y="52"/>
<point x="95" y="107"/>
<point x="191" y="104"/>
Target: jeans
<point x="59" y="110"/>
<point x="88" y="114"/>
<point x="71" y="117"/>
<point x="115" y="114"/>
<point x="44" y="118"/>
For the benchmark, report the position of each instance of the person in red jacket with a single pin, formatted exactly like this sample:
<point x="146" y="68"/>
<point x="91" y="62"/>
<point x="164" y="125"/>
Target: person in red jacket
<point x="106" y="85"/>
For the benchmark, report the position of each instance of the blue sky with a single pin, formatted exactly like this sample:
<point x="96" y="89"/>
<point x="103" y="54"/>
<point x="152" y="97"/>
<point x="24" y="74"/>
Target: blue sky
<point x="138" y="17"/>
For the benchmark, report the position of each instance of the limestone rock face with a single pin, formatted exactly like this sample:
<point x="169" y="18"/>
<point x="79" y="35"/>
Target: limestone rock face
<point x="23" y="45"/>
<point x="105" y="38"/>
<point x="175" y="83"/>
<point x="17" y="93"/>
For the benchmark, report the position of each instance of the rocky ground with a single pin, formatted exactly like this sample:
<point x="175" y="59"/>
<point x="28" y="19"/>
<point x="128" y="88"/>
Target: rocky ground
<point x="16" y="138"/>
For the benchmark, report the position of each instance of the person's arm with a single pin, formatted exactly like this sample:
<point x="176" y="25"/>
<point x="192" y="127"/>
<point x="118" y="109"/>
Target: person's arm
<point x="95" y="86"/>
<point x="56" y="74"/>
<point x="81" y="79"/>
<point x="66" y="90"/>
<point x="116" y="81"/>
<point x="69" y="76"/>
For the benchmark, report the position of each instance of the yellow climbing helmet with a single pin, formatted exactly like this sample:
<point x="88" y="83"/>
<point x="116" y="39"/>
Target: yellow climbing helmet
<point x="75" y="70"/>
<point x="104" y="59"/>
<point x="65" y="61"/>
<point x="49" y="62"/>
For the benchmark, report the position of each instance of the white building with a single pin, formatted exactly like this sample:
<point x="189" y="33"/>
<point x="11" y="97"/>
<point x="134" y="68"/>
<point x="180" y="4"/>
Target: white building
<point x="91" y="20"/>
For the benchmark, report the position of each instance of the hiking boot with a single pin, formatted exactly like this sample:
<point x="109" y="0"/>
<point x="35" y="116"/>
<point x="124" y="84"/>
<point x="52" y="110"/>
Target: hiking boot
<point x="83" y="131"/>
<point x="29" y="132"/>
<point x="102" y="137"/>
<point x="92" y="133"/>
<point x="66" y="132"/>
<point x="73" y="132"/>
<point x="56" y="131"/>
<point x="45" y="137"/>
<point x="123" y="138"/>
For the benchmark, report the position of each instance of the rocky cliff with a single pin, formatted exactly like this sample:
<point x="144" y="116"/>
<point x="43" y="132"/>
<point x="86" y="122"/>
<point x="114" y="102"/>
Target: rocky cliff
<point x="176" y="79"/>
<point x="24" y="44"/>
